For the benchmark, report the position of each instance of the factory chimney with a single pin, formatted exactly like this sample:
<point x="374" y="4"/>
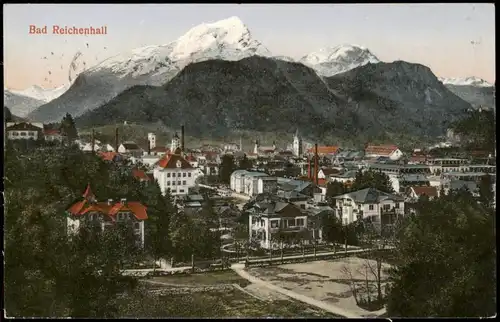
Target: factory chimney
<point x="116" y="139"/>
<point x="92" y="141"/>
<point x="308" y="167"/>
<point x="316" y="163"/>
<point x="149" y="147"/>
<point x="182" y="138"/>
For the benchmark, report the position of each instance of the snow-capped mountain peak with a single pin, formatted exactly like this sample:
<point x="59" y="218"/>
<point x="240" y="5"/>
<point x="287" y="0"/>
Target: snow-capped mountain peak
<point x="40" y="93"/>
<point x="334" y="60"/>
<point x="227" y="39"/>
<point x="465" y="81"/>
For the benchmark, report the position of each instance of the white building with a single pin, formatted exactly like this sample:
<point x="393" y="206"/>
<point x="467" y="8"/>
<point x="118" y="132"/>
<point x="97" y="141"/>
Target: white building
<point x="247" y="182"/>
<point x="267" y="218"/>
<point x="152" y="140"/>
<point x="297" y="144"/>
<point x="23" y="131"/>
<point x="176" y="143"/>
<point x="390" y="151"/>
<point x="381" y="208"/>
<point x="130" y="148"/>
<point x="174" y="173"/>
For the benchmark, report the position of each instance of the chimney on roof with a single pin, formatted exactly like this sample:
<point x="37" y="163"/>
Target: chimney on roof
<point x="116" y="139"/>
<point x="93" y="141"/>
<point x="182" y="138"/>
<point x="316" y="163"/>
<point x="110" y="202"/>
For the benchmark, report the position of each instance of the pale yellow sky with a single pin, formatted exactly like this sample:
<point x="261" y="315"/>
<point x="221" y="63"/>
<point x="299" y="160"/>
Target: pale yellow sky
<point x="454" y="40"/>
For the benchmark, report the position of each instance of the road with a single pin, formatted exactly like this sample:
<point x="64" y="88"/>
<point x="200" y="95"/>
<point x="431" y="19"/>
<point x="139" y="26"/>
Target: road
<point x="227" y="192"/>
<point x="239" y="269"/>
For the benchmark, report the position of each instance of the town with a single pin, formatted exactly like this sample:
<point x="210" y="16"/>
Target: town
<point x="190" y="210"/>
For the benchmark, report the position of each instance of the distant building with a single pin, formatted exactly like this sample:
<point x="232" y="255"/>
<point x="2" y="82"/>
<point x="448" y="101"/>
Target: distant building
<point x="390" y="151"/>
<point x="372" y="205"/>
<point x="152" y="140"/>
<point x="297" y="147"/>
<point x="23" y="131"/>
<point x="176" y="142"/>
<point x="173" y="172"/>
<point x="130" y="148"/>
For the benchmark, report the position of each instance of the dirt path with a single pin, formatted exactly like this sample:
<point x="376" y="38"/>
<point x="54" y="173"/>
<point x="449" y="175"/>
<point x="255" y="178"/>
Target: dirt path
<point x="239" y="269"/>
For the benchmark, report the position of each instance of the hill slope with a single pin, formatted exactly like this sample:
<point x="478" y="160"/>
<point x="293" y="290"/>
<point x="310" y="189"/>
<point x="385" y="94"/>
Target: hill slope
<point x="20" y="105"/>
<point x="216" y="97"/>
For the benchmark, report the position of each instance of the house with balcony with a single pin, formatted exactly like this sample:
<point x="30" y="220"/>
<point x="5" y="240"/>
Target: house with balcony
<point x="372" y="205"/>
<point x="269" y="216"/>
<point x="106" y="215"/>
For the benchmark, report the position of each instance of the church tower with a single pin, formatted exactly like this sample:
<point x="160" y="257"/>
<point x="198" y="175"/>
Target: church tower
<point x="297" y="144"/>
<point x="256" y="147"/>
<point x="176" y="143"/>
<point x="152" y="140"/>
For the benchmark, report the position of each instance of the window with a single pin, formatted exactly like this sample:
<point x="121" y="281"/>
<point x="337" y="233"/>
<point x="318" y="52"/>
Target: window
<point x="262" y="222"/>
<point x="178" y="175"/>
<point x="23" y="133"/>
<point x="302" y="206"/>
<point x="181" y="190"/>
<point x="168" y="183"/>
<point x="178" y="183"/>
<point x="387" y="207"/>
<point x="300" y="222"/>
<point x="168" y="175"/>
<point x="370" y="207"/>
<point x="31" y="133"/>
<point x="189" y="174"/>
<point x="184" y="174"/>
<point x="173" y="183"/>
<point x="275" y="223"/>
<point x="136" y="225"/>
<point x="184" y="182"/>
<point x="396" y="205"/>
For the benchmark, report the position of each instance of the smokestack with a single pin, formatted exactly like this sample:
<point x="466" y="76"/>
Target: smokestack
<point x="149" y="147"/>
<point x="116" y="139"/>
<point x="308" y="167"/>
<point x="92" y="140"/>
<point x="316" y="163"/>
<point x="182" y="138"/>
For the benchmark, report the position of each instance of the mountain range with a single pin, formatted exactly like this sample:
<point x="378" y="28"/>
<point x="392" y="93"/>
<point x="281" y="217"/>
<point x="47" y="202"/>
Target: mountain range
<point x="134" y="84"/>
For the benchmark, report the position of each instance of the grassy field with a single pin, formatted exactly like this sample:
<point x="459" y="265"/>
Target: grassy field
<point x="214" y="304"/>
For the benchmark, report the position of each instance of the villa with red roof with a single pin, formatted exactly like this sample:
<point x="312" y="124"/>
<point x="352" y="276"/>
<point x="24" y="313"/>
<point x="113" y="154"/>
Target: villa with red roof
<point x="105" y="215"/>
<point x="173" y="172"/>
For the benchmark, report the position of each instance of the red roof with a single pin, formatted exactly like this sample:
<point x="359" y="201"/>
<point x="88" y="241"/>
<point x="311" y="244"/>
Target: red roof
<point x="88" y="194"/>
<point x="140" y="174"/>
<point x="324" y="150"/>
<point x="85" y="206"/>
<point x="108" y="156"/>
<point x="428" y="191"/>
<point x="51" y="132"/>
<point x="382" y="150"/>
<point x="170" y="161"/>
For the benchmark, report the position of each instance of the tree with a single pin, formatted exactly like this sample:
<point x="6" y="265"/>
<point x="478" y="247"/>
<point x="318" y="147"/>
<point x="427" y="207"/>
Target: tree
<point x="68" y="128"/>
<point x="485" y="190"/>
<point x="226" y="168"/>
<point x="445" y="260"/>
<point x="245" y="163"/>
<point x="372" y="179"/>
<point x="333" y="189"/>
<point x="332" y="228"/>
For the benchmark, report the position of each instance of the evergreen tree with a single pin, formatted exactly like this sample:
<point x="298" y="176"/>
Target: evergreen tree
<point x="333" y="189"/>
<point x="445" y="260"/>
<point x="372" y="179"/>
<point x="68" y="128"/>
<point x="245" y="163"/>
<point x="226" y="168"/>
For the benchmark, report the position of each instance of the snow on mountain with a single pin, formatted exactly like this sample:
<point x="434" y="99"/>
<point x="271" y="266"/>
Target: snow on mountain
<point x="227" y="39"/>
<point x="18" y="104"/>
<point x="42" y="94"/>
<point x="285" y="58"/>
<point x="335" y="60"/>
<point x="466" y="81"/>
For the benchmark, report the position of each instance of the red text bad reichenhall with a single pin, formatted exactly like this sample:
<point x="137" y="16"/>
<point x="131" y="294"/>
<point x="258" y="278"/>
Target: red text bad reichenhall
<point x="66" y="30"/>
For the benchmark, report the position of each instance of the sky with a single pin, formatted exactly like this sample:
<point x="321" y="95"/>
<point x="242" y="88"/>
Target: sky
<point x="454" y="40"/>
